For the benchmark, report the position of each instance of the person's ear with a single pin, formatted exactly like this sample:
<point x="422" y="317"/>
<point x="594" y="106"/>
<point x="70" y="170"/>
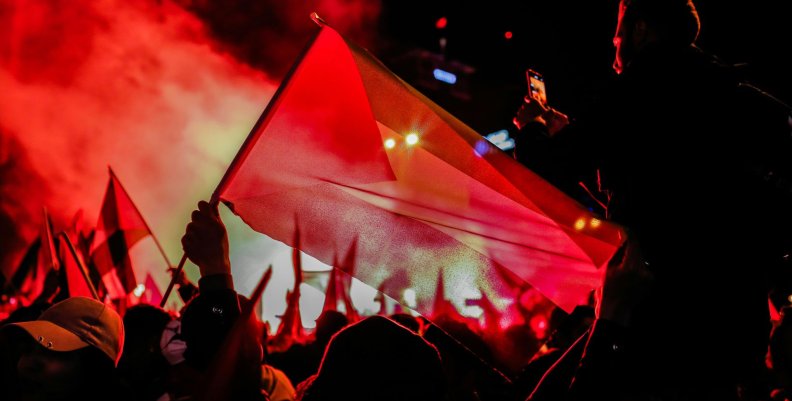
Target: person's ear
<point x="640" y="32"/>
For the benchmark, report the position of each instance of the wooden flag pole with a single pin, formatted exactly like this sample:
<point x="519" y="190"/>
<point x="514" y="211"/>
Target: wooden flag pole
<point x="174" y="273"/>
<point x="83" y="269"/>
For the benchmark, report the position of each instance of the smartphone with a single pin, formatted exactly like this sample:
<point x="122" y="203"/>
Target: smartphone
<point x="536" y="86"/>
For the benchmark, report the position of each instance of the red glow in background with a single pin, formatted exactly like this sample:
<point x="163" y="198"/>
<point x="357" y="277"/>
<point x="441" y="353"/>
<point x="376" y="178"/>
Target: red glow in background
<point x="165" y="92"/>
<point x="150" y="89"/>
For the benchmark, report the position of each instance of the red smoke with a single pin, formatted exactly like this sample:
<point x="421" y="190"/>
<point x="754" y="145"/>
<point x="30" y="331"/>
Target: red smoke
<point x="163" y="91"/>
<point x="88" y="84"/>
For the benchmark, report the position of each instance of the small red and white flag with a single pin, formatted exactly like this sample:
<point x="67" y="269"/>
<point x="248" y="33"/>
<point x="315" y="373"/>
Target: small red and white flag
<point x="120" y="227"/>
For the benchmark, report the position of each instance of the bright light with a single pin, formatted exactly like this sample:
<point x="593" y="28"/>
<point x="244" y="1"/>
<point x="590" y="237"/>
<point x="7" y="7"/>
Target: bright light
<point x="441" y="23"/>
<point x="595" y="223"/>
<point x="580" y="224"/>
<point x="139" y="290"/>
<point x="481" y="148"/>
<point x="498" y="136"/>
<point x="409" y="297"/>
<point x="390" y="143"/>
<point x="789" y="298"/>
<point x="412" y="138"/>
<point x="501" y="139"/>
<point x="508" y="35"/>
<point x="539" y="326"/>
<point x="444" y="76"/>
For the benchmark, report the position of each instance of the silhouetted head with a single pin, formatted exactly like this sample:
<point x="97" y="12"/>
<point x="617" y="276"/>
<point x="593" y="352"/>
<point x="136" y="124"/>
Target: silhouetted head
<point x="142" y="367"/>
<point x="144" y="325"/>
<point x="76" y="323"/>
<point x="72" y="346"/>
<point x="378" y="359"/>
<point x="407" y="320"/>
<point x="641" y="22"/>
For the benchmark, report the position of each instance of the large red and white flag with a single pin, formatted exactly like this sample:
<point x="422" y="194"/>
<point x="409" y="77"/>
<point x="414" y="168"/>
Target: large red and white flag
<point x="120" y="227"/>
<point x="357" y="154"/>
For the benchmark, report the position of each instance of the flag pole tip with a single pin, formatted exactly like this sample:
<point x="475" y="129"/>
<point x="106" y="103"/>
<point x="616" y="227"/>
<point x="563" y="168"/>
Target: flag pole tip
<point x="317" y="19"/>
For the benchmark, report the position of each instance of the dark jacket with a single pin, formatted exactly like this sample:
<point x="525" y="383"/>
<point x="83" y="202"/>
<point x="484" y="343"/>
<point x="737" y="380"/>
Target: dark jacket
<point x="224" y="348"/>
<point x="672" y="146"/>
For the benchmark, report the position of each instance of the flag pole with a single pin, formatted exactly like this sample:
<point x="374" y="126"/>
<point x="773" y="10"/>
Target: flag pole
<point x="50" y="240"/>
<point x="154" y="237"/>
<point x="317" y="19"/>
<point x="80" y="263"/>
<point x="174" y="273"/>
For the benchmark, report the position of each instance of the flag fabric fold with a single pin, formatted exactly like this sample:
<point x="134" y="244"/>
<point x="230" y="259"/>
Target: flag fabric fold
<point x="361" y="157"/>
<point x="76" y="283"/>
<point x="81" y="238"/>
<point x="24" y="269"/>
<point x="152" y="295"/>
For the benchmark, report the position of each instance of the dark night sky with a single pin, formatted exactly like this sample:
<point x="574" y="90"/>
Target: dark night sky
<point x="570" y="42"/>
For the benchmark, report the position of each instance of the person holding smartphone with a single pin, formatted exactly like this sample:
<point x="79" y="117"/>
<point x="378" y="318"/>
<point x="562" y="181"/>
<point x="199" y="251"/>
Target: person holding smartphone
<point x="535" y="106"/>
<point x="683" y="312"/>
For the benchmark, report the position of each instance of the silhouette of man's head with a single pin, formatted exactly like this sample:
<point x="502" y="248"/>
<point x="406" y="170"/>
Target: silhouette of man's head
<point x="641" y="22"/>
<point x="76" y="323"/>
<point x="73" y="345"/>
<point x="376" y="359"/>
